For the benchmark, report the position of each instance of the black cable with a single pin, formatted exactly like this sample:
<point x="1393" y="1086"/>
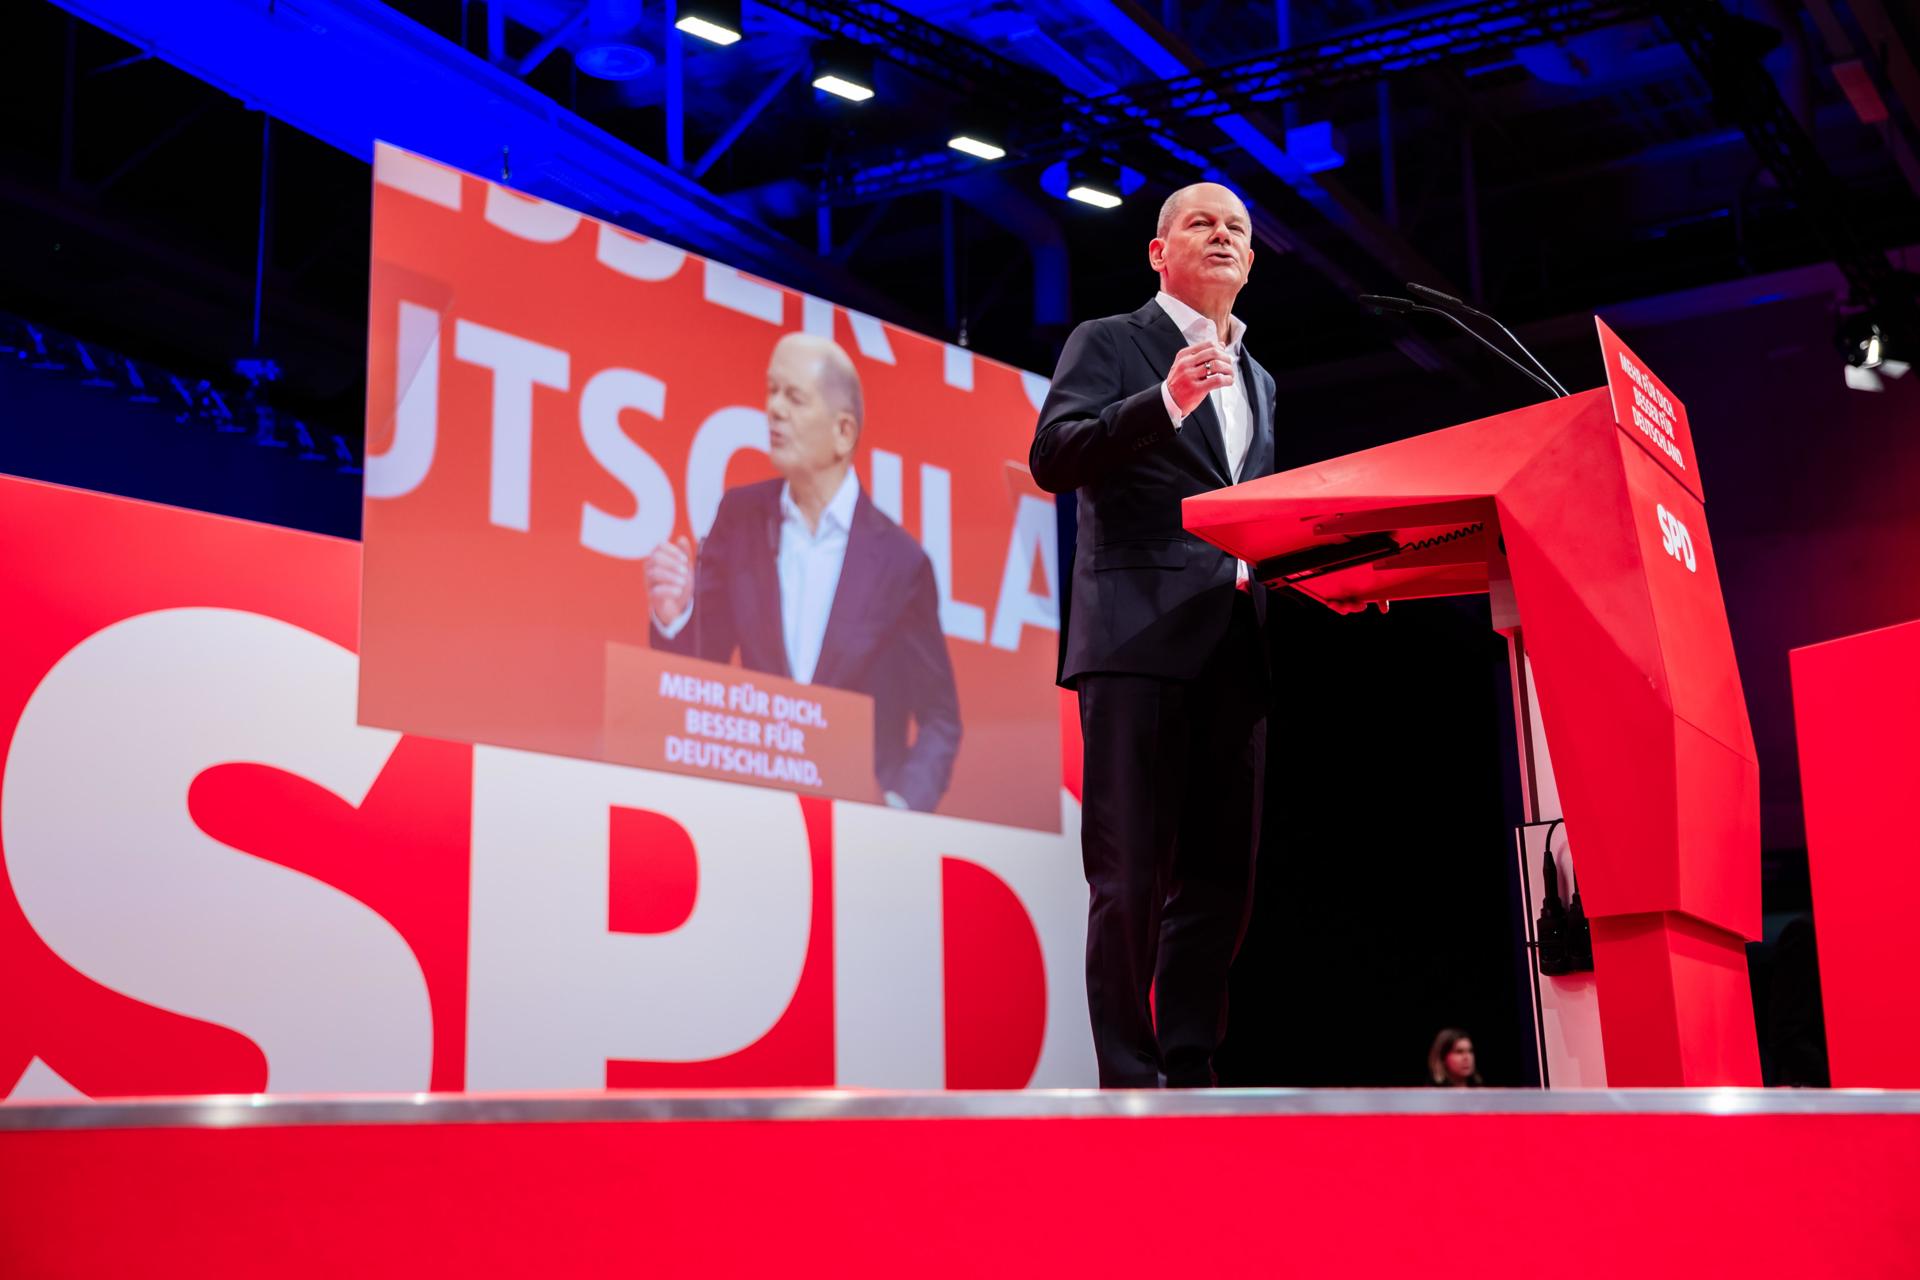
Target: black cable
<point x="1405" y="305"/>
<point x="1421" y="290"/>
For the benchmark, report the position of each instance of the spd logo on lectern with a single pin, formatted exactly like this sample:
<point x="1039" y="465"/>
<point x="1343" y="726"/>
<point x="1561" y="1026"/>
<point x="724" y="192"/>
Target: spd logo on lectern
<point x="1674" y="538"/>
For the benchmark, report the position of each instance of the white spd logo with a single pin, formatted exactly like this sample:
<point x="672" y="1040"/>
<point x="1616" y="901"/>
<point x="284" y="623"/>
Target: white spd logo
<point x="1674" y="538"/>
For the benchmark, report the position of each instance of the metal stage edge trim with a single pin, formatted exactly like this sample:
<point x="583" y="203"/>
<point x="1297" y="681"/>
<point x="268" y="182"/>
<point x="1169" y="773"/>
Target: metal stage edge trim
<point x="229" y="1111"/>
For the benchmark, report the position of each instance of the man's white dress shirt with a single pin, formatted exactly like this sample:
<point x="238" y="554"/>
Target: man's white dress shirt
<point x="1230" y="404"/>
<point x="810" y="564"/>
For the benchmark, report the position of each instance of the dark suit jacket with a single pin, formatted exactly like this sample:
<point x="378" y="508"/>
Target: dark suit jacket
<point x="883" y="633"/>
<point x="1148" y="598"/>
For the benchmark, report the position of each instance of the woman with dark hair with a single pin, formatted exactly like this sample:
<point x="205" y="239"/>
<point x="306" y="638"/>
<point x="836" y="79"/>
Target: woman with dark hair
<point x="1450" y="1063"/>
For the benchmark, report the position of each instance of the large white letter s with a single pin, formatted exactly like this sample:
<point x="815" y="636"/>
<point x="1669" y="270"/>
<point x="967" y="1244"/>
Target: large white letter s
<point x="114" y="876"/>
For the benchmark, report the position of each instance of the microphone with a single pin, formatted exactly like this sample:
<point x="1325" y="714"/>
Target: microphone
<point x="1403" y="306"/>
<point x="1448" y="300"/>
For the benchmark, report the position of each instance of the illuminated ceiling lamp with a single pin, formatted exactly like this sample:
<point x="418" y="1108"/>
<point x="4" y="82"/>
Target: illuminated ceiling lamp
<point x="1094" y="180"/>
<point x="984" y="139"/>
<point x="844" y="70"/>
<point x="715" y="21"/>
<point x="972" y="144"/>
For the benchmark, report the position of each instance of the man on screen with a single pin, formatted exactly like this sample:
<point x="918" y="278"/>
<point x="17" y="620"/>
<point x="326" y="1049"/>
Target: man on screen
<point x="804" y="577"/>
<point x="1163" y="642"/>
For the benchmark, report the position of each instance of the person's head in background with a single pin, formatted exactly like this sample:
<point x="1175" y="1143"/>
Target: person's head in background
<point x="1450" y="1063"/>
<point x="814" y="413"/>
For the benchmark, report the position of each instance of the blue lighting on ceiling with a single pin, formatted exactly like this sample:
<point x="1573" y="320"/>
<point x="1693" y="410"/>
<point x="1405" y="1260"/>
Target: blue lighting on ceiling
<point x="614" y="61"/>
<point x="1316" y="147"/>
<point x="300" y="63"/>
<point x="1054" y="179"/>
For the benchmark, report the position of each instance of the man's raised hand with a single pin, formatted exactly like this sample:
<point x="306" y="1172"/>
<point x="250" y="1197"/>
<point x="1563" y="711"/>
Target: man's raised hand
<point x="670" y="580"/>
<point x="1198" y="369"/>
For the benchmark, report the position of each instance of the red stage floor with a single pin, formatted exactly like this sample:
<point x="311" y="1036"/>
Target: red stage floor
<point x="1321" y="1183"/>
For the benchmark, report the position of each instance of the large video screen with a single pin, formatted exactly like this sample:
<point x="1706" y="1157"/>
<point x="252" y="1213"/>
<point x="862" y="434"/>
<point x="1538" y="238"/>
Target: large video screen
<point x="629" y="504"/>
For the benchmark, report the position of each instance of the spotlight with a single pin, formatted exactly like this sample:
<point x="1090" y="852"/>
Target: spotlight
<point x="979" y="147"/>
<point x="1864" y="344"/>
<point x="1861" y="338"/>
<point x="1875" y="379"/>
<point x="844" y="70"/>
<point x="1094" y="181"/>
<point x="715" y="21"/>
<point x="1871" y="350"/>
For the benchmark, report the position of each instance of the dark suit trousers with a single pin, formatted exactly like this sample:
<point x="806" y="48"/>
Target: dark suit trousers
<point x="1170" y="822"/>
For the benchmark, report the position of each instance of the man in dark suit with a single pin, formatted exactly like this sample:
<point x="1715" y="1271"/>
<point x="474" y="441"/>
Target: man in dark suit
<point x="804" y="577"/>
<point x="1163" y="642"/>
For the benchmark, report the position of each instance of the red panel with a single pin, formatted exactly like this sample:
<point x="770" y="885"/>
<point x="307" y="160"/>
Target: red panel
<point x="1683" y="582"/>
<point x="1634" y="982"/>
<point x="996" y="982"/>
<point x="653" y="873"/>
<point x="1588" y="621"/>
<point x="798" y="1049"/>
<point x="1719" y="829"/>
<point x="1632" y="1195"/>
<point x="1680" y="988"/>
<point x="1619" y="602"/>
<point x="1856" y="706"/>
<point x="1441" y="469"/>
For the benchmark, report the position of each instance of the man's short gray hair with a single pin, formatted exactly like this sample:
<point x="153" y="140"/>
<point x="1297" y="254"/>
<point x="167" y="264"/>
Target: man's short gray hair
<point x="838" y="380"/>
<point x="1168" y="207"/>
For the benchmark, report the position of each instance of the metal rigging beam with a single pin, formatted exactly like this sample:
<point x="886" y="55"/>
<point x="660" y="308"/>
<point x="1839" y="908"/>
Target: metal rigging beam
<point x="1163" y="53"/>
<point x="946" y="59"/>
<point x="1391" y="48"/>
<point x="300" y="63"/>
<point x="1727" y="53"/>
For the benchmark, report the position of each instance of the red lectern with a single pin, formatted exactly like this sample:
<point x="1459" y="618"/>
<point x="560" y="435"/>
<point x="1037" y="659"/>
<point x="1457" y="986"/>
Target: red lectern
<point x="1584" y="518"/>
